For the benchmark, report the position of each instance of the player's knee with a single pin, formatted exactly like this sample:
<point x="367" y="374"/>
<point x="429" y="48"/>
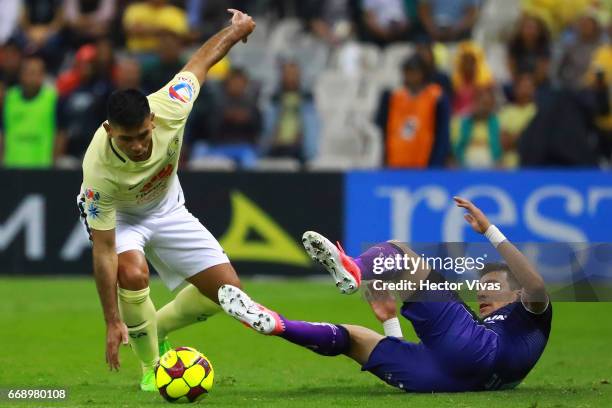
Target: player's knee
<point x="229" y="276"/>
<point x="234" y="281"/>
<point x="362" y="342"/>
<point x="132" y="277"/>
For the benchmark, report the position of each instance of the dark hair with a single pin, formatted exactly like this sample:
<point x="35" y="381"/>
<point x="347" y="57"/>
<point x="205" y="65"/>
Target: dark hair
<point x="500" y="267"/>
<point x="517" y="47"/>
<point x="237" y="72"/>
<point x="415" y="62"/>
<point x="128" y="108"/>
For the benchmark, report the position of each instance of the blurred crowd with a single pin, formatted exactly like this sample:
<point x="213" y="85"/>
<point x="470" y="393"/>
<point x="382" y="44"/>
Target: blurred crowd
<point x="458" y="89"/>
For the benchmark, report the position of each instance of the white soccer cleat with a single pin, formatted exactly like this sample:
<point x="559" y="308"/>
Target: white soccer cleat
<point x="341" y="267"/>
<point x="240" y="306"/>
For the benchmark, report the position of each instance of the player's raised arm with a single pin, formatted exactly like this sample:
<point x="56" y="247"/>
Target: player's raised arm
<point x="533" y="295"/>
<point x="105" y="264"/>
<point x="219" y="45"/>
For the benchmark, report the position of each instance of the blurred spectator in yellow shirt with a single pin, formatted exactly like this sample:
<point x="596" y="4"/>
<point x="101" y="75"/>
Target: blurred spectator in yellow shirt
<point x="514" y="118"/>
<point x="145" y="21"/>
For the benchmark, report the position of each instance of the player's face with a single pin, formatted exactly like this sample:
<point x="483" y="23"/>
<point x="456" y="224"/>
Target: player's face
<point x="491" y="300"/>
<point x="135" y="143"/>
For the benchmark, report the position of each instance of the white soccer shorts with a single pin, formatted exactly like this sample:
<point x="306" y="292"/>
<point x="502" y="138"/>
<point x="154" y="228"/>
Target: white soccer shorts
<point x="172" y="239"/>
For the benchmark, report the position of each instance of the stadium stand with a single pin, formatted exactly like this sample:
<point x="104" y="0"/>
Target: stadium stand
<point x="346" y="74"/>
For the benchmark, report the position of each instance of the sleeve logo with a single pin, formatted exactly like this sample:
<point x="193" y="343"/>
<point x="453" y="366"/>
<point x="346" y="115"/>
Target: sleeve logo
<point x="92" y="198"/>
<point x="92" y="195"/>
<point x="182" y="92"/>
<point x="93" y="211"/>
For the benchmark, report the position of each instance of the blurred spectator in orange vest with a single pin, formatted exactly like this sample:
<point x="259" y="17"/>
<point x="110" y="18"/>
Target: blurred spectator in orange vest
<point x="415" y="120"/>
<point x="425" y="49"/>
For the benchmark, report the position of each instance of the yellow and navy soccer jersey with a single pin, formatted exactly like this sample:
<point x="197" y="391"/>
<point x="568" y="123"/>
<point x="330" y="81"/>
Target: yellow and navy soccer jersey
<point x="112" y="182"/>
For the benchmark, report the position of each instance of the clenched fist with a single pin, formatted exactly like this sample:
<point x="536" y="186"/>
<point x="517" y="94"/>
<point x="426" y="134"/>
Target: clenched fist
<point x="243" y="23"/>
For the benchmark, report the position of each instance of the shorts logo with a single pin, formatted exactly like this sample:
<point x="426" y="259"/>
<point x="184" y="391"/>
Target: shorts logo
<point x="182" y="92"/>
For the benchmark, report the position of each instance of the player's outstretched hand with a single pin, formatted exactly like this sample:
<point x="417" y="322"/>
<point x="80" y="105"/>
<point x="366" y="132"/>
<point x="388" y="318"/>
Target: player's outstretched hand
<point x="116" y="334"/>
<point x="476" y="218"/>
<point x="243" y="22"/>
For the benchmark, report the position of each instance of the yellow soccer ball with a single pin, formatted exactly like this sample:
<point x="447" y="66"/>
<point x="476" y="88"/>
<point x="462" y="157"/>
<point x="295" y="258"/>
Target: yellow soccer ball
<point x="184" y="375"/>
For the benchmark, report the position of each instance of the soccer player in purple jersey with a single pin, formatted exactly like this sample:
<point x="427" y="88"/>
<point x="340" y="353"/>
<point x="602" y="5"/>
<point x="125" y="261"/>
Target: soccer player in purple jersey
<point x="457" y="351"/>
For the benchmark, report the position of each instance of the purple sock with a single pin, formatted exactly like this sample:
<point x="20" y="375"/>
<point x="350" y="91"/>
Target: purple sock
<point x="322" y="338"/>
<point x="365" y="261"/>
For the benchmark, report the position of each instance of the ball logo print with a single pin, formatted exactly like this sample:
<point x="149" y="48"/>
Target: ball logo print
<point x="184" y="375"/>
<point x="181" y="92"/>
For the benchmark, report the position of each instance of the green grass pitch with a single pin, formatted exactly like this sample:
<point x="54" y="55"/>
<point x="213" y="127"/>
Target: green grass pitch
<point x="53" y="336"/>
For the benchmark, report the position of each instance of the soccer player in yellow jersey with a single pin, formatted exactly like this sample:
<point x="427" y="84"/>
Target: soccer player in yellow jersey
<point x="133" y="206"/>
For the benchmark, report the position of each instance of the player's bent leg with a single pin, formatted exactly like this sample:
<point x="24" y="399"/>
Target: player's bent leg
<point x="196" y="302"/>
<point x="323" y="338"/>
<point x="210" y="280"/>
<point x="138" y="312"/>
<point x="414" y="367"/>
<point x="348" y="272"/>
<point x="408" y="366"/>
<point x="184" y="250"/>
<point x="189" y="306"/>
<point x="133" y="271"/>
<point x="341" y="267"/>
<point x="363" y="342"/>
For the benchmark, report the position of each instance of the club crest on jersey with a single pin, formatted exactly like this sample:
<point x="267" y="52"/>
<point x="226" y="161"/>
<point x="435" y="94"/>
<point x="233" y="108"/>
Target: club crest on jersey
<point x="173" y="147"/>
<point x="92" y="195"/>
<point x="182" y="92"/>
